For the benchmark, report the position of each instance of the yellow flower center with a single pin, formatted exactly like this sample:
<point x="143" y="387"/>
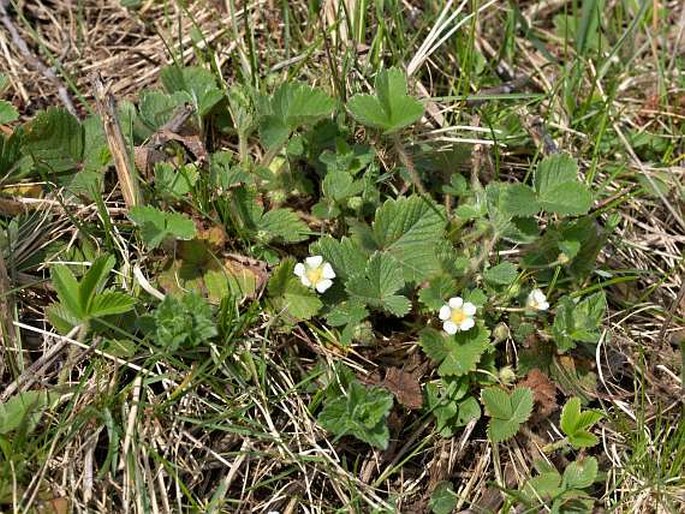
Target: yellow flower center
<point x="315" y="274"/>
<point x="458" y="316"/>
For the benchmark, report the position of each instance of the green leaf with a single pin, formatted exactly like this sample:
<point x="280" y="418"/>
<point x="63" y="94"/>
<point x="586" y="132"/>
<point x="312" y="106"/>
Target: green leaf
<point x="382" y="278"/>
<point x="198" y="82"/>
<point x="456" y="355"/>
<point x="545" y="486"/>
<point x="580" y="474"/>
<point x="94" y="280"/>
<point x="289" y="296"/>
<point x="55" y="140"/>
<point x="346" y="257"/>
<point x="502" y="274"/>
<point x="436" y="293"/>
<point x="575" y="424"/>
<point x="390" y="109"/>
<point x="174" y="182"/>
<point x="156" y="108"/>
<point x="520" y="200"/>
<point x="580" y="322"/>
<point x="23" y="409"/>
<point x="111" y="302"/>
<point x="507" y="411"/>
<point x="8" y="113"/>
<point x="362" y="413"/>
<point x="62" y="318"/>
<point x="292" y="106"/>
<point x="183" y="322"/>
<point x="67" y="288"/>
<point x="340" y="185"/>
<point x="565" y="237"/>
<point x="409" y="229"/>
<point x="558" y="188"/>
<point x="351" y="315"/>
<point x="96" y="153"/>
<point x="14" y="165"/>
<point x="443" y="500"/>
<point x="283" y="225"/>
<point x="156" y="226"/>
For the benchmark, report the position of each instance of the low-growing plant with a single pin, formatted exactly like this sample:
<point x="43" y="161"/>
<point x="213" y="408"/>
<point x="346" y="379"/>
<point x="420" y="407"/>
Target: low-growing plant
<point x="350" y="247"/>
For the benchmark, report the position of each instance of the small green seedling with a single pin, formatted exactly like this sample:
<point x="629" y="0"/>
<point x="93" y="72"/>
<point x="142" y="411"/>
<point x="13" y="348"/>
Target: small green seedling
<point x="507" y="411"/>
<point x="361" y="413"/>
<point x="576" y="424"/>
<point x="83" y="301"/>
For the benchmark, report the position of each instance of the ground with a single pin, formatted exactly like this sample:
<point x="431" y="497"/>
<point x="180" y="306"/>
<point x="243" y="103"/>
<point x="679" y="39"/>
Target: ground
<point x="235" y="398"/>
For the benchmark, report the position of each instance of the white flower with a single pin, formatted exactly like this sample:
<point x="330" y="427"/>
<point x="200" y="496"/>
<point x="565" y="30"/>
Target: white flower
<point x="457" y="315"/>
<point x="315" y="273"/>
<point x="537" y="301"/>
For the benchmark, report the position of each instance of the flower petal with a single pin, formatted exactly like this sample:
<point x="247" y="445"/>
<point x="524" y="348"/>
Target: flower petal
<point x="543" y="306"/>
<point x="299" y="269"/>
<point x="456" y="302"/>
<point x="323" y="284"/>
<point x="467" y="324"/>
<point x="314" y="261"/>
<point x="469" y="309"/>
<point x="328" y="271"/>
<point x="445" y="312"/>
<point x="305" y="280"/>
<point x="450" y="327"/>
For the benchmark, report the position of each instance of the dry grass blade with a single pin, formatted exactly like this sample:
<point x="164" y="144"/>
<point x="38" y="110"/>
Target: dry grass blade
<point x="126" y="172"/>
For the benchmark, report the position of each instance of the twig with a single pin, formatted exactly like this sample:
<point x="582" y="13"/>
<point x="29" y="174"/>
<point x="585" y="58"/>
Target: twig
<point x="126" y="172"/>
<point x="23" y="48"/>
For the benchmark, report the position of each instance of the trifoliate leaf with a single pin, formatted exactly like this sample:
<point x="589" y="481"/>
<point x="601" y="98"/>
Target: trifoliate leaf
<point x="382" y="278"/>
<point x="558" y="188"/>
<point x="283" y="225"/>
<point x="580" y="474"/>
<point x="292" y="106"/>
<point x="409" y="229"/>
<point x="507" y="411"/>
<point x="501" y="274"/>
<point x="362" y="413"/>
<point x="289" y="296"/>
<point x="575" y="424"/>
<point x="390" y="109"/>
<point x="458" y="354"/>
<point x="156" y="226"/>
